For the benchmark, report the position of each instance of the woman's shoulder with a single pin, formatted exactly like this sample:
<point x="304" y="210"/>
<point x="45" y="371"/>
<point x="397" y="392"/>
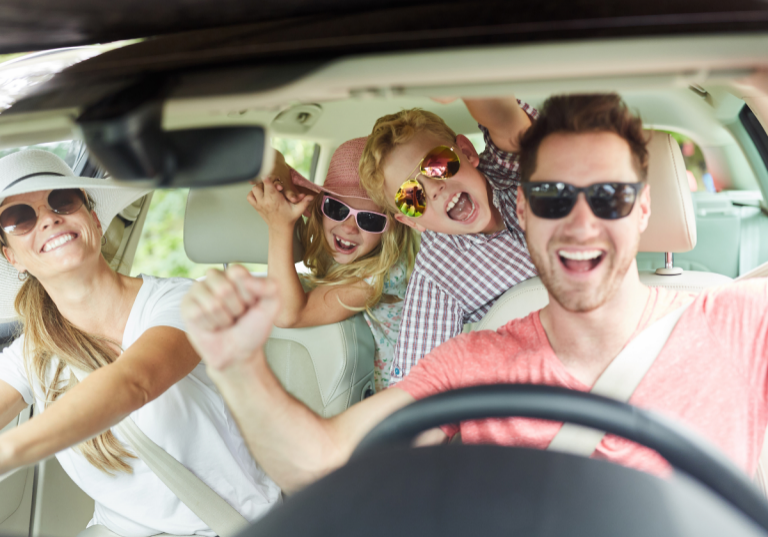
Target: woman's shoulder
<point x="158" y="304"/>
<point x="154" y="286"/>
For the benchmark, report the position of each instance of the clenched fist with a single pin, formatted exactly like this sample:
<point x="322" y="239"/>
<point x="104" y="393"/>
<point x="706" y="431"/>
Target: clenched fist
<point x="229" y="315"/>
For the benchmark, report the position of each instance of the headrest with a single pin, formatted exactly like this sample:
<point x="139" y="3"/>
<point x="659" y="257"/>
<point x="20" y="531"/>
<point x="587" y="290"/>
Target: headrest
<point x="672" y="227"/>
<point x="220" y="226"/>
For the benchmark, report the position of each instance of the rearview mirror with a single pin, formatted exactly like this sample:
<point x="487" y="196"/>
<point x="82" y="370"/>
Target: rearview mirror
<point x="131" y="145"/>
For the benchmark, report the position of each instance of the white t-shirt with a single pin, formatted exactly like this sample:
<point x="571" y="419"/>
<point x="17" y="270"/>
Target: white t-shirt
<point x="190" y="421"/>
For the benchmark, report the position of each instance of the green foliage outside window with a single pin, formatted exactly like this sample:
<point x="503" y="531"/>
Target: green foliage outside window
<point x="297" y="153"/>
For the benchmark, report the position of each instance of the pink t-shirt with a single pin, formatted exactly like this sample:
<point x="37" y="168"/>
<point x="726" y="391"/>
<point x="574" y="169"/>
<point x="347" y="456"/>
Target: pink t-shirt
<point x="710" y="375"/>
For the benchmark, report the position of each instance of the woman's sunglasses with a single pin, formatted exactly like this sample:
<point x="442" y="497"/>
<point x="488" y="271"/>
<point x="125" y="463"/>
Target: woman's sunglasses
<point x="554" y="199"/>
<point x="368" y="221"/>
<point x="21" y="218"/>
<point x="441" y="162"/>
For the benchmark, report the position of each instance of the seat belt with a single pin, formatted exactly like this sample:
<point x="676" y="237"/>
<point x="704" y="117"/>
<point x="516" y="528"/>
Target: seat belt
<point x="624" y="374"/>
<point x="619" y="381"/>
<point x="201" y="499"/>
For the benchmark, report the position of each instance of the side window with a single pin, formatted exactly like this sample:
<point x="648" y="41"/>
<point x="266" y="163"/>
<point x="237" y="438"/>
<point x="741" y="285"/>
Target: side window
<point x="161" y="248"/>
<point x="699" y="177"/>
<point x="68" y="150"/>
<point x="298" y="154"/>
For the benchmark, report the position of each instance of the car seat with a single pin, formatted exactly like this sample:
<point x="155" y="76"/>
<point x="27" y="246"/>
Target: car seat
<point x="327" y="367"/>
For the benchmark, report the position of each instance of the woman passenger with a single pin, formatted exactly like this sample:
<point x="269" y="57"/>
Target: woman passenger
<point x="127" y="333"/>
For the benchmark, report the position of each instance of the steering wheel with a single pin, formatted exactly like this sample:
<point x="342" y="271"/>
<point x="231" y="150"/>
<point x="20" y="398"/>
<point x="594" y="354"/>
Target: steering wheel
<point x="388" y="488"/>
<point x="682" y="449"/>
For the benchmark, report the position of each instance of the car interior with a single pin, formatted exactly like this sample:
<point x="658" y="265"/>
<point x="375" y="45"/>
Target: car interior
<point x="690" y="86"/>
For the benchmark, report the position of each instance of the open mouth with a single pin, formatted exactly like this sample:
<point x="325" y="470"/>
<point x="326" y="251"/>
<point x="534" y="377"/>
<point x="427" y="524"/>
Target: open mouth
<point x="344" y="246"/>
<point x="581" y="260"/>
<point x="58" y="241"/>
<point x="461" y="207"/>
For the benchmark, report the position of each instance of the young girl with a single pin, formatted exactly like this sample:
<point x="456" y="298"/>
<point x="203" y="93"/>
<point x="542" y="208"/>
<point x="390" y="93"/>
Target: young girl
<point x="359" y="257"/>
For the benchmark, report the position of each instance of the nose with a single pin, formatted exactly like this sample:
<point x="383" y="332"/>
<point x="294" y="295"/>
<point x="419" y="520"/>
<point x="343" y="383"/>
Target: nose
<point x="350" y="225"/>
<point x="581" y="224"/>
<point x="46" y="217"/>
<point x="432" y="187"/>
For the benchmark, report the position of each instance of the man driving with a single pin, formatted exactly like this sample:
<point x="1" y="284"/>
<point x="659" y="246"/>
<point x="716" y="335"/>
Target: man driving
<point x="583" y="204"/>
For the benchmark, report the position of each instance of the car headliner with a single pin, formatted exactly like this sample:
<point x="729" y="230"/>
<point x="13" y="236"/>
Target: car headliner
<point x="27" y="25"/>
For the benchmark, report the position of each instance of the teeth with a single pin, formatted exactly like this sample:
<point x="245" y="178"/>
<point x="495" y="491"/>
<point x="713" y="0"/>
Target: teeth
<point x="344" y="243"/>
<point x="58" y="241"/>
<point x="580" y="255"/>
<point x="453" y="202"/>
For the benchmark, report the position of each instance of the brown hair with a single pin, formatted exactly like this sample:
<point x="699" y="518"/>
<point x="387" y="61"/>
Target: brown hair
<point x="49" y="335"/>
<point x="389" y="132"/>
<point x="397" y="242"/>
<point x="585" y="113"/>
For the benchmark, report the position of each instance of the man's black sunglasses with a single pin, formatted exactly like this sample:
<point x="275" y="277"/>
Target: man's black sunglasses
<point x="554" y="199"/>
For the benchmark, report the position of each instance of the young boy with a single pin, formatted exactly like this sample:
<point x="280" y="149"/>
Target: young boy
<point x="472" y="248"/>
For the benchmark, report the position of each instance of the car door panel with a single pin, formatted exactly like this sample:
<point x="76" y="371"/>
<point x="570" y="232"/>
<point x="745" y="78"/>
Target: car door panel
<point x="16" y="492"/>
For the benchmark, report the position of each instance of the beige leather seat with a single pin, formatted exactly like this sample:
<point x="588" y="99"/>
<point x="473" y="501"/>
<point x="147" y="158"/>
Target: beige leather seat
<point x="671" y="229"/>
<point x="327" y="367"/>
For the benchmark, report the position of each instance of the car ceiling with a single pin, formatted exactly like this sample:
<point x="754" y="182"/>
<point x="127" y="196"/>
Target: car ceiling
<point x="248" y="73"/>
<point x="28" y="25"/>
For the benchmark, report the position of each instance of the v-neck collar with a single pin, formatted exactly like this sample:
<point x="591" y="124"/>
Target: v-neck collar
<point x="557" y="366"/>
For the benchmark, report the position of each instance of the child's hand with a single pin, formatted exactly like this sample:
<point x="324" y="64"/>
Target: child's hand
<point x="283" y="180"/>
<point x="229" y="315"/>
<point x="273" y="206"/>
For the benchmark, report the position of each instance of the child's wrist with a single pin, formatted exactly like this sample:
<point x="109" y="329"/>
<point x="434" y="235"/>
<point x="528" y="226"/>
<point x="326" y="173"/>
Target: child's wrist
<point x="281" y="231"/>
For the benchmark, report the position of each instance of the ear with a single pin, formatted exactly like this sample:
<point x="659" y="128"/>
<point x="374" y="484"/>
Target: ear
<point x="98" y="222"/>
<point x="521" y="205"/>
<point x="408" y="222"/>
<point x="11" y="257"/>
<point x="645" y="207"/>
<point x="468" y="150"/>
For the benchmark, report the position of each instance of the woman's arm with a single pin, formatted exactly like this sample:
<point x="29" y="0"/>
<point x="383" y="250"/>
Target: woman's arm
<point x="11" y="403"/>
<point x="156" y="361"/>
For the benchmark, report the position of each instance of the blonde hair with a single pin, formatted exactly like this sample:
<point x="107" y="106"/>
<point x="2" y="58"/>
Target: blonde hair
<point x="48" y="335"/>
<point x="397" y="242"/>
<point x="389" y="132"/>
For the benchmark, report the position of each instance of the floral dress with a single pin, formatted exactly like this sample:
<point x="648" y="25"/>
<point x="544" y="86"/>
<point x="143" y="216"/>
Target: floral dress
<point x="385" y="324"/>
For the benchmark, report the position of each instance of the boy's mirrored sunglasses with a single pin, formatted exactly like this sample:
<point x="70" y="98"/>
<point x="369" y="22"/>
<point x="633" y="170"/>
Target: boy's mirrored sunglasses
<point x="21" y="218"/>
<point x="368" y="221"/>
<point x="442" y="162"/>
<point x="554" y="199"/>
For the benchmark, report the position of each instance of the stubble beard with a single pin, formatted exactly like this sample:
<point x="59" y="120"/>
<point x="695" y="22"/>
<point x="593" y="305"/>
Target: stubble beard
<point x="579" y="298"/>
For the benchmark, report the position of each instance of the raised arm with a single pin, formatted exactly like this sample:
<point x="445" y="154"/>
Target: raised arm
<point x="503" y="118"/>
<point x="156" y="361"/>
<point x="229" y="317"/>
<point x="322" y="305"/>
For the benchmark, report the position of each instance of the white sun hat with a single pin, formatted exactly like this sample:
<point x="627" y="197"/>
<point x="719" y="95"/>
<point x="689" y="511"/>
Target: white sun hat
<point x="33" y="170"/>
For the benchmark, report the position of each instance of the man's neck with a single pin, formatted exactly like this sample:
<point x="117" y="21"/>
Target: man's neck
<point x="97" y="301"/>
<point x="587" y="342"/>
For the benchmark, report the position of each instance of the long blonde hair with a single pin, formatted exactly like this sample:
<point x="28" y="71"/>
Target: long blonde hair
<point x="398" y="242"/>
<point x="48" y="335"/>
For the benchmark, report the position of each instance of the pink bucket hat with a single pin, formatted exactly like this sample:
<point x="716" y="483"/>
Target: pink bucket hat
<point x="343" y="178"/>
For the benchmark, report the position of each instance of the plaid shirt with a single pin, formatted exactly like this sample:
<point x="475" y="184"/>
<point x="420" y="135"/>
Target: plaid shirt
<point x="457" y="278"/>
